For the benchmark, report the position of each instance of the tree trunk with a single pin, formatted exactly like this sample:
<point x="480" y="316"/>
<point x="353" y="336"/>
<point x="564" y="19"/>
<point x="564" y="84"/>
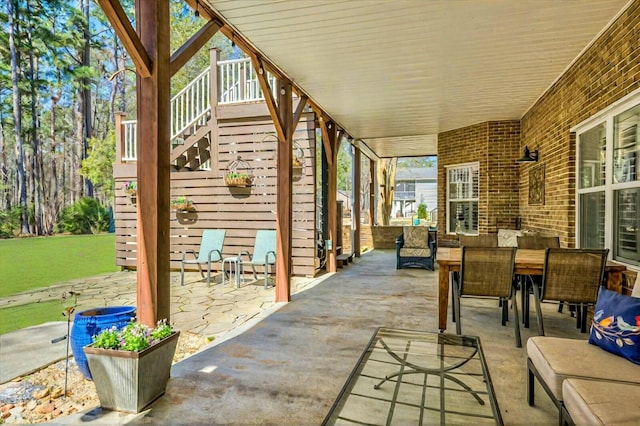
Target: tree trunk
<point x="53" y="201"/>
<point x="17" y="116"/>
<point x="4" y="170"/>
<point x="36" y="168"/>
<point x="387" y="182"/>
<point x="86" y="96"/>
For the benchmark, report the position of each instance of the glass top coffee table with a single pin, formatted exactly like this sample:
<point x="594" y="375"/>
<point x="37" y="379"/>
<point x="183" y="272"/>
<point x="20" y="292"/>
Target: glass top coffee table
<point x="418" y="378"/>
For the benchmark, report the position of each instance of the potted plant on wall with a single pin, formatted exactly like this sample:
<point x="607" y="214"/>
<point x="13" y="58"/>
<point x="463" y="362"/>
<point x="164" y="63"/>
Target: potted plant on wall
<point x="130" y="366"/>
<point x="182" y="204"/>
<point x="130" y="188"/>
<point x="239" y="173"/>
<point x="237" y="179"/>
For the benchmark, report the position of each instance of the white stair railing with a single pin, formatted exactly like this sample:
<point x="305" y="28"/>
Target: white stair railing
<point x="190" y="105"/>
<point x="237" y="81"/>
<point x="130" y="136"/>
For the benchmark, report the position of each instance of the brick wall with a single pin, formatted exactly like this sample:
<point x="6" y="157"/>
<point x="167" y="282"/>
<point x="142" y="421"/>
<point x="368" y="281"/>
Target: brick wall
<point x="606" y="72"/>
<point x="495" y="145"/>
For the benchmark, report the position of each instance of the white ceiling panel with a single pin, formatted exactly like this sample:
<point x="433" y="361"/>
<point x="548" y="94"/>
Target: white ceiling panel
<point x="397" y="73"/>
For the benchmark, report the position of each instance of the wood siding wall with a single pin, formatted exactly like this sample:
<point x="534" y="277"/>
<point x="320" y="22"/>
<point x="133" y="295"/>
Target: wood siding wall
<point x="248" y="132"/>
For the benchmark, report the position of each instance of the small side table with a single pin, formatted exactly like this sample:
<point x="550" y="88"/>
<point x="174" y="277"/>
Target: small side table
<point x="233" y="265"/>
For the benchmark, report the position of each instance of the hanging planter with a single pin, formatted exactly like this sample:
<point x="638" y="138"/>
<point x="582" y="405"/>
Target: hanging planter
<point x="130" y="188"/>
<point x="239" y="173"/>
<point x="298" y="157"/>
<point x="182" y="204"/>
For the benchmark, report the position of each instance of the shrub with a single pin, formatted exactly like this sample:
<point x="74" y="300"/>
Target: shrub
<point x="85" y="216"/>
<point x="10" y="222"/>
<point x="422" y="211"/>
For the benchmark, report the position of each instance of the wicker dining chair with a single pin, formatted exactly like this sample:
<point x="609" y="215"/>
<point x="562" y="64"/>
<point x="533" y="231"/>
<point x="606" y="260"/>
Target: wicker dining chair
<point x="489" y="240"/>
<point x="488" y="272"/>
<point x="525" y="282"/>
<point x="573" y="276"/>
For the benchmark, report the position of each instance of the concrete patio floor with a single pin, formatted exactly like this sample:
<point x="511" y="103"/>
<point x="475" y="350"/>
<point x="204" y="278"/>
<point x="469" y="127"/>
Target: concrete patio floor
<point x="289" y="368"/>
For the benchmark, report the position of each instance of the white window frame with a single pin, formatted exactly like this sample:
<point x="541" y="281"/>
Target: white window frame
<point x="605" y="116"/>
<point x="468" y="166"/>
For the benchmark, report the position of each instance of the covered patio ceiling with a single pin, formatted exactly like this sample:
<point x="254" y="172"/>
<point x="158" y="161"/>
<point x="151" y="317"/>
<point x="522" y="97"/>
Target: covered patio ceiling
<point x="394" y="74"/>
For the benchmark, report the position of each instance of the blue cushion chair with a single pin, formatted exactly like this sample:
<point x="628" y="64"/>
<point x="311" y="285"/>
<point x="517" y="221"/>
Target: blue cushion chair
<point x="416" y="248"/>
<point x="264" y="253"/>
<point x="210" y="251"/>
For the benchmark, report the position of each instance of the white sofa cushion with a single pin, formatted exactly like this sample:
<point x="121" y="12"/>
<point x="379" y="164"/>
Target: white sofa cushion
<point x="595" y="402"/>
<point x="558" y="358"/>
<point x="636" y="287"/>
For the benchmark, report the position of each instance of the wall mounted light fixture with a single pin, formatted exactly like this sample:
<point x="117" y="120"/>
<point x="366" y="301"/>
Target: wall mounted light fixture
<point x="528" y="156"/>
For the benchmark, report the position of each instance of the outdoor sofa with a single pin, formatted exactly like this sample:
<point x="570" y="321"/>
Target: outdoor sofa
<point x="592" y="382"/>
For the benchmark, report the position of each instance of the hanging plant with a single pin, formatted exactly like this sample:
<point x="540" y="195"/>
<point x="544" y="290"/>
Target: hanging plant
<point x="298" y="156"/>
<point x="130" y="187"/>
<point x="237" y="179"/>
<point x="182" y="204"/>
<point x="239" y="173"/>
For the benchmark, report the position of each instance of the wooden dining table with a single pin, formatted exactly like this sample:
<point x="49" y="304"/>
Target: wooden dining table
<point x="528" y="262"/>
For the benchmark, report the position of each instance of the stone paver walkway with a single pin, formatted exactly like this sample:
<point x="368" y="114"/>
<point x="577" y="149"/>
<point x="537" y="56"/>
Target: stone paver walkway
<point x="195" y="307"/>
<point x="216" y="312"/>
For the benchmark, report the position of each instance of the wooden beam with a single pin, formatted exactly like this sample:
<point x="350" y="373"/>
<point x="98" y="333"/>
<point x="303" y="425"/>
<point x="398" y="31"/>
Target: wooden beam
<point x="153" y="110"/>
<point x="128" y="37"/>
<point x="336" y="145"/>
<point x="284" y="195"/>
<point x="326" y="139"/>
<point x="181" y="56"/>
<point x="297" y="115"/>
<point x="261" y="73"/>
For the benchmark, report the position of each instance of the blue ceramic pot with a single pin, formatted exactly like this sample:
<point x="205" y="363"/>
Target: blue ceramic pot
<point x="87" y="324"/>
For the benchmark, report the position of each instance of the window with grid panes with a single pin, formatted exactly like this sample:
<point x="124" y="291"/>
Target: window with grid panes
<point x="608" y="184"/>
<point x="462" y="198"/>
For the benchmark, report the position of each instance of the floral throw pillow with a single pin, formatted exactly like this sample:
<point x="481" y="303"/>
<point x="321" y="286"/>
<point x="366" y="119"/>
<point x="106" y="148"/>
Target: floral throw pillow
<point x="616" y="324"/>
<point x="416" y="236"/>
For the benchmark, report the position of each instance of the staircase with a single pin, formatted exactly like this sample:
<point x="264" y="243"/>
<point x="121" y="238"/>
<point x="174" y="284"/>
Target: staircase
<point x="191" y="136"/>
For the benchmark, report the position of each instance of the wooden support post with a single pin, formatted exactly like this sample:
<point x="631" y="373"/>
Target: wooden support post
<point x="119" y="135"/>
<point x="153" y="296"/>
<point x="214" y="58"/>
<point x="330" y="141"/>
<point x="372" y="193"/>
<point x="356" y="202"/>
<point x="284" y="206"/>
<point x="324" y="173"/>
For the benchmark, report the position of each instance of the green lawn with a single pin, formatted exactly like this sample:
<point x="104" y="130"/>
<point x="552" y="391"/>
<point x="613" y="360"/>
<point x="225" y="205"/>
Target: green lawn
<point x="22" y="316"/>
<point x="28" y="263"/>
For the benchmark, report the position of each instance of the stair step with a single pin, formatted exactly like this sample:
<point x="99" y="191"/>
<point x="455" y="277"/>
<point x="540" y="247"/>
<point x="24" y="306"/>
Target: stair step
<point x="343" y="259"/>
